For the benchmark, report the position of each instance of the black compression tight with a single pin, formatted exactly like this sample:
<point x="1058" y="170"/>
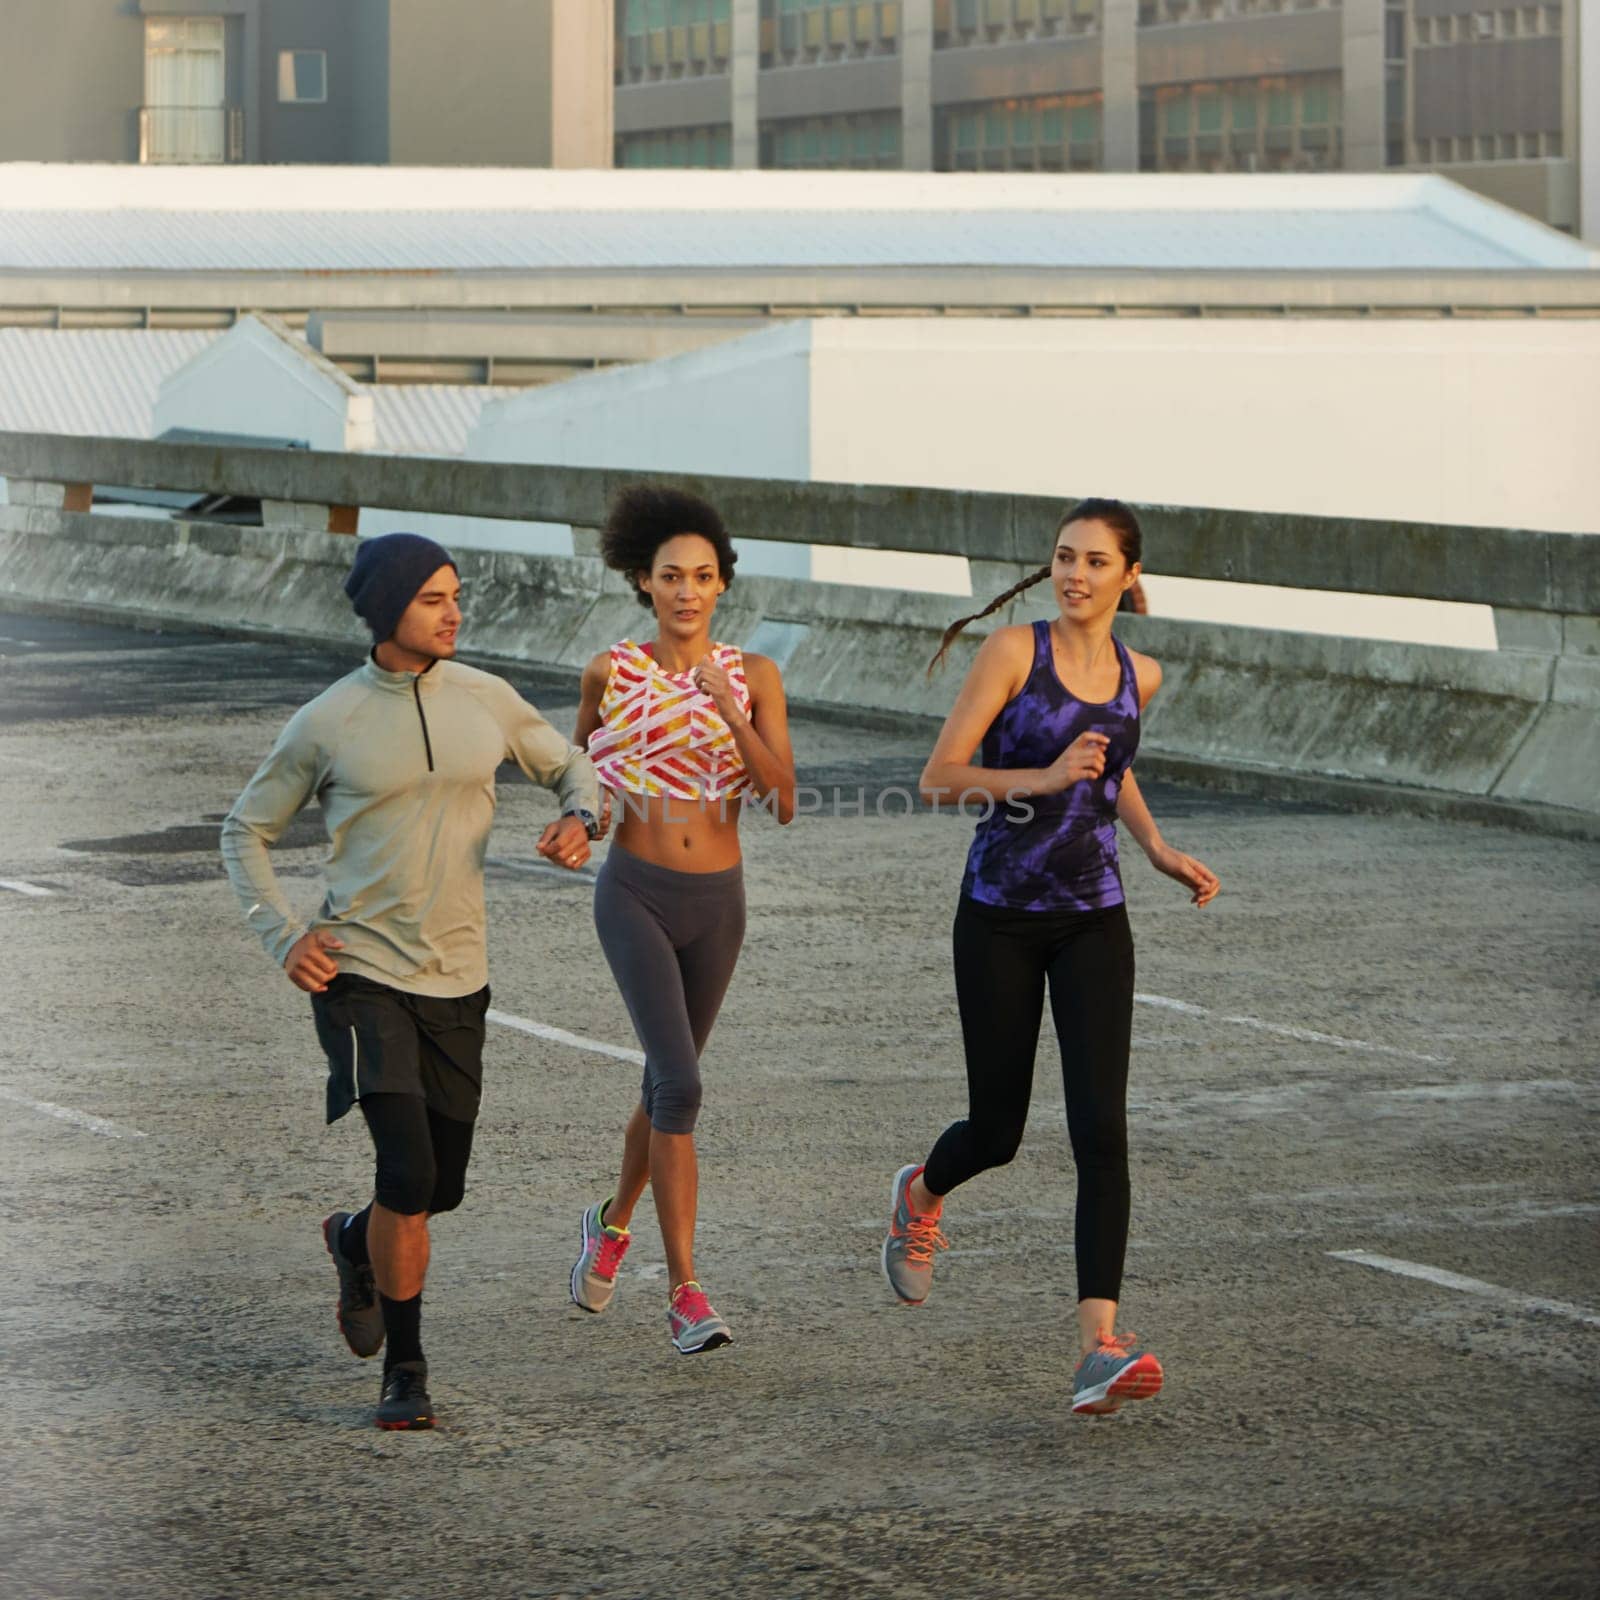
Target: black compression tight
<point x="1003" y="960"/>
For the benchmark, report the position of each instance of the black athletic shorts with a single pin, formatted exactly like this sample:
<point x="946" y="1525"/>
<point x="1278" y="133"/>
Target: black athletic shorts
<point x="380" y="1040"/>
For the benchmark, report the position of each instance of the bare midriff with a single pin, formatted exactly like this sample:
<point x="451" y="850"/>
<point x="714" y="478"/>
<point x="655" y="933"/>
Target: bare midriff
<point x="686" y="835"/>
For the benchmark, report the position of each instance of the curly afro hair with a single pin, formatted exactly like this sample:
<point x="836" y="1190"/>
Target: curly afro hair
<point x="644" y="516"/>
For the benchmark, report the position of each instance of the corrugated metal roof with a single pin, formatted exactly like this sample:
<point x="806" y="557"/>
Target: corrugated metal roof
<point x="88" y="380"/>
<point x="431" y="419"/>
<point x="490" y="241"/>
<point x="104" y="381"/>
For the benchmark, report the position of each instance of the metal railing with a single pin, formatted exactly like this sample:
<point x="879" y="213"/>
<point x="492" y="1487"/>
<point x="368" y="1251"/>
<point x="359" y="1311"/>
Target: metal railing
<point x="191" y="135"/>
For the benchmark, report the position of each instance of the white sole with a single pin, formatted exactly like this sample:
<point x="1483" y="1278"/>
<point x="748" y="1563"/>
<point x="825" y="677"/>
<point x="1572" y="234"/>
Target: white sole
<point x="572" y="1282"/>
<point x="883" y="1254"/>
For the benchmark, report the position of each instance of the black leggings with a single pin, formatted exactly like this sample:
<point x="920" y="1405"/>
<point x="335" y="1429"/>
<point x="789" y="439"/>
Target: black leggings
<point x="1003" y="959"/>
<point x="422" y="1157"/>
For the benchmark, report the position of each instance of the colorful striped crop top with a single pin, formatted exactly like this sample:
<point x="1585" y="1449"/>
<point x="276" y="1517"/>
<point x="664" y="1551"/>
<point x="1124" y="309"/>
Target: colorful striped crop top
<point x="659" y="735"/>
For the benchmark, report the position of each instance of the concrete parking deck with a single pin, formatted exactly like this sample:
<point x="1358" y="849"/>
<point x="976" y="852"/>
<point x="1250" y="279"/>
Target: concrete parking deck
<point x="1364" y="1112"/>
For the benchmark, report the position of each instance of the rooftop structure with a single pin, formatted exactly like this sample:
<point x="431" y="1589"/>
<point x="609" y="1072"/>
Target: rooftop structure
<point x="448" y="272"/>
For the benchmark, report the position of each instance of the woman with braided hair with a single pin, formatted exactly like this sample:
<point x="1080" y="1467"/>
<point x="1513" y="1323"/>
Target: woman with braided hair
<point x="1044" y="730"/>
<point x="682" y="731"/>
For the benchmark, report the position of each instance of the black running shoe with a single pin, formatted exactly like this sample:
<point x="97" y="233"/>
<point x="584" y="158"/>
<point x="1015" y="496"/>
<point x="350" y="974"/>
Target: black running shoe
<point x="405" y="1403"/>
<point x="360" y="1315"/>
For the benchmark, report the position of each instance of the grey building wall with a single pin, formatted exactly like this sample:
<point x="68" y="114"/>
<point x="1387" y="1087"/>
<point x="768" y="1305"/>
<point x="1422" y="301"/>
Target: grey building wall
<point x="1242" y="47"/>
<point x="71" y="80"/>
<point x="1511" y="86"/>
<point x="341" y="130"/>
<point x="469" y="85"/>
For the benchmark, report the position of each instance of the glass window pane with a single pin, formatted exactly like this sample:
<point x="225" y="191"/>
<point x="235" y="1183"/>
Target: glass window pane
<point x="1242" y="115"/>
<point x="1314" y="104"/>
<point x="1208" y="113"/>
<point x="1085" y="124"/>
<point x="994" y="130"/>
<point x="1052" y="125"/>
<point x="1022" y="127"/>
<point x="966" y="131"/>
<point x="1280" y="108"/>
<point x="1175" y="116"/>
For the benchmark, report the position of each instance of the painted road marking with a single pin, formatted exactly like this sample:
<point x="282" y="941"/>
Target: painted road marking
<point x="1486" y="1291"/>
<point x="17" y="886"/>
<point x="78" y="1119"/>
<point x="1487" y="1091"/>
<point x="1286" y="1031"/>
<point x="543" y="1030"/>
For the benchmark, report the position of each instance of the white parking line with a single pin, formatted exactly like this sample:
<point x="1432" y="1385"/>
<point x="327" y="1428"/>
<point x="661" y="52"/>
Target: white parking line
<point x="543" y="1030"/>
<point x="1287" y="1031"/>
<point x="1486" y="1291"/>
<point x="78" y="1119"/>
<point x="17" y="886"/>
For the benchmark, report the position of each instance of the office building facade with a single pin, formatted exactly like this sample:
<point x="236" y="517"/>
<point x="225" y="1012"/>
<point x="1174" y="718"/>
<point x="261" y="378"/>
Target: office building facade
<point x="1485" y="93"/>
<point x="403" y="82"/>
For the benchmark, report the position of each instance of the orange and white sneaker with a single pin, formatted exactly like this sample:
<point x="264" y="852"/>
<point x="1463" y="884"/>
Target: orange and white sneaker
<point x="1114" y="1371"/>
<point x="693" y="1322"/>
<point x="594" y="1274"/>
<point x="909" y="1245"/>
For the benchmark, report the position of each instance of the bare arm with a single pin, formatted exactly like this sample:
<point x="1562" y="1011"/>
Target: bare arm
<point x="1134" y="814"/>
<point x="595" y="677"/>
<point x="1000" y="670"/>
<point x="763" y="737"/>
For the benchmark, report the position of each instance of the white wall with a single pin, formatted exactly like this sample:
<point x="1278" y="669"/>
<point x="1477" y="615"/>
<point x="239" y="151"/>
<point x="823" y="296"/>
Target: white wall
<point x="739" y="408"/>
<point x="1467" y="422"/>
<point x="1486" y="423"/>
<point x="259" y="379"/>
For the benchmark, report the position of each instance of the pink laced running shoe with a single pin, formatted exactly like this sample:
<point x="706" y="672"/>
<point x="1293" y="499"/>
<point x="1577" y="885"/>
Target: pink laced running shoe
<point x="1114" y="1371"/>
<point x="594" y="1275"/>
<point x="693" y="1322"/>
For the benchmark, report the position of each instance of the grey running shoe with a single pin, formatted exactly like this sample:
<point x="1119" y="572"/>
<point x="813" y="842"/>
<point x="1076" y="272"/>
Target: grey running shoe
<point x="692" y="1321"/>
<point x="1114" y="1371"/>
<point x="404" y="1405"/>
<point x="594" y="1274"/>
<point x="909" y="1245"/>
<point x="360" y="1315"/>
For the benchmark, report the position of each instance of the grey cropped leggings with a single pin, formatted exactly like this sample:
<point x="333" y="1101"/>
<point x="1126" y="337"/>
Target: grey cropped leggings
<point x="672" y="939"/>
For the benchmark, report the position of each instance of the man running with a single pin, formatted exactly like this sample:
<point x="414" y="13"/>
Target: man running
<point x="401" y="755"/>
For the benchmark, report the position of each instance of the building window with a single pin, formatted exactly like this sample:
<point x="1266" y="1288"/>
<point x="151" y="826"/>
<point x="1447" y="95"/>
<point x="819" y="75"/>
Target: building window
<point x="1166" y="13"/>
<point x="1248" y="125"/>
<point x="965" y="24"/>
<point x="797" y="33"/>
<point x="1050" y="133"/>
<point x="185" y="116"/>
<point x="871" y="140"/>
<point x="677" y="147"/>
<point x="666" y="39"/>
<point x="302" y="77"/>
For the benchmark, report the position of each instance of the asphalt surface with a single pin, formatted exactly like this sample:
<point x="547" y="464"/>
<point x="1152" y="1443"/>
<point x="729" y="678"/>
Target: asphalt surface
<point x="1381" y="1039"/>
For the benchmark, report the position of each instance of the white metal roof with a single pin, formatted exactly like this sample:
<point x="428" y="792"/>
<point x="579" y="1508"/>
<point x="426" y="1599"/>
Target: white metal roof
<point x="88" y="380"/>
<point x="430" y="419"/>
<point x="104" y="381"/>
<point x="259" y="219"/>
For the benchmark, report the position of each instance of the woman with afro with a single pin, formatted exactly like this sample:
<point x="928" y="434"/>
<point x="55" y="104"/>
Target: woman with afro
<point x="682" y="731"/>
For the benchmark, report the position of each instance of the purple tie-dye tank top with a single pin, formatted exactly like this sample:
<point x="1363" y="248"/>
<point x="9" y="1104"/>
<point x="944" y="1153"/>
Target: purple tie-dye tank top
<point x="1054" y="852"/>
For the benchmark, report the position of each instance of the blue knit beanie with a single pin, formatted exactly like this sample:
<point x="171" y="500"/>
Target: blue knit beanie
<point x="386" y="575"/>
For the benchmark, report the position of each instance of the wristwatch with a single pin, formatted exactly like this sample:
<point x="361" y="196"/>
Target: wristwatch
<point x="587" y="818"/>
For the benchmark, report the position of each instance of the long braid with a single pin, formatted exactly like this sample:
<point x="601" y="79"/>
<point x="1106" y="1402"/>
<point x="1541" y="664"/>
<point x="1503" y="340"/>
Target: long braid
<point x="994" y="605"/>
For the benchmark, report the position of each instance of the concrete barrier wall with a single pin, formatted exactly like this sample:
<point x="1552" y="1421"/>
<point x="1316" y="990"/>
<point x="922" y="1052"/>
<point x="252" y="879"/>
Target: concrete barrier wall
<point x="1510" y="735"/>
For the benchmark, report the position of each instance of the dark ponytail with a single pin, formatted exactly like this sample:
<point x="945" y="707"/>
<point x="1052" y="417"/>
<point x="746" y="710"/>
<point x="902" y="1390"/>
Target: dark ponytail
<point x="994" y="605"/>
<point x="1116" y="516"/>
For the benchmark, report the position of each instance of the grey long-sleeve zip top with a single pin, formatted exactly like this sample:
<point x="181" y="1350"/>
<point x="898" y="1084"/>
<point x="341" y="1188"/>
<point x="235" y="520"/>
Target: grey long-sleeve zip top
<point x="403" y="767"/>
